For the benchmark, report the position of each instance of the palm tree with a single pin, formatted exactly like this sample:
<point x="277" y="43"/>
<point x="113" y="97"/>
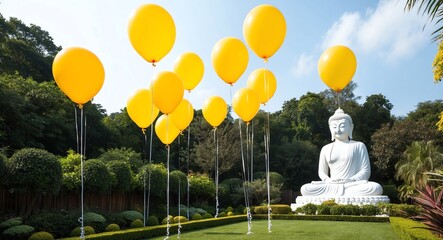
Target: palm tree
<point x="434" y="10"/>
<point x="420" y="157"/>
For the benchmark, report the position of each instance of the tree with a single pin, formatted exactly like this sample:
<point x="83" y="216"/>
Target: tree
<point x="346" y="99"/>
<point x="391" y="140"/>
<point x="434" y="10"/>
<point x="375" y="112"/>
<point x="312" y="120"/>
<point x="28" y="50"/>
<point x="34" y="170"/>
<point x="420" y="157"/>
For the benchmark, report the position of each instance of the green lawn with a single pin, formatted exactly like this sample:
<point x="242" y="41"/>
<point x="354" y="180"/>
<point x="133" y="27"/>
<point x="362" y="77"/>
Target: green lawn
<point x="293" y="229"/>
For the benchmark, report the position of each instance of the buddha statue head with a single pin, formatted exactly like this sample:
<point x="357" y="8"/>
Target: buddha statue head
<point x="340" y="125"/>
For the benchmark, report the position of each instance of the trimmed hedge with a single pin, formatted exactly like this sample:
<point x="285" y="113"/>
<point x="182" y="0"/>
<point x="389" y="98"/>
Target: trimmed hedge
<point x="276" y="209"/>
<point x="18" y="232"/>
<point x="345" y="218"/>
<point x="409" y="229"/>
<point x="41" y="236"/>
<point x="154" y="231"/>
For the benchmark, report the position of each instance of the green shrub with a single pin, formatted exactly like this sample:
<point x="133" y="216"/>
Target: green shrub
<point x="95" y="220"/>
<point x="338" y="210"/>
<point x="182" y="219"/>
<point x="137" y="223"/>
<point x="329" y="203"/>
<point x="41" y="236"/>
<point x="369" y="210"/>
<point x="18" y="232"/>
<point x="352" y="210"/>
<point x="11" y="223"/>
<point x="112" y="227"/>
<point x="196" y="216"/>
<point x="323" y="209"/>
<point x="130" y="216"/>
<point x="97" y="176"/>
<point x="410" y="229"/>
<point x="58" y="224"/>
<point x="122" y="173"/>
<point x="230" y="213"/>
<point x="207" y="215"/>
<point x="309" y="208"/>
<point x="116" y="218"/>
<point x="229" y="209"/>
<point x="222" y="214"/>
<point x="201" y="187"/>
<point x="392" y="192"/>
<point x="201" y="211"/>
<point x="88" y="231"/>
<point x="158" y="178"/>
<point x="152" y="221"/>
<point x="398" y="210"/>
<point x="36" y="169"/>
<point x="170" y="218"/>
<point x="281" y="209"/>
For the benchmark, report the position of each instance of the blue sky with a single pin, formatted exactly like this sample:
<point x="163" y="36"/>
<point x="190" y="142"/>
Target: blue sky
<point x="394" y="52"/>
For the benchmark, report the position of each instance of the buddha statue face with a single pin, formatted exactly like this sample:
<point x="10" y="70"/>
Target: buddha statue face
<point x="341" y="126"/>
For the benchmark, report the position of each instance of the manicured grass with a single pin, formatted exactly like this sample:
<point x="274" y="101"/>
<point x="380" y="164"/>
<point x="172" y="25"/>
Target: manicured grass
<point x="293" y="229"/>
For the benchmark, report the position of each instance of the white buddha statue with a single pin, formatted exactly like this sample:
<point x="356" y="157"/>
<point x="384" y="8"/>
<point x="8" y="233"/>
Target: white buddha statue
<point x="344" y="166"/>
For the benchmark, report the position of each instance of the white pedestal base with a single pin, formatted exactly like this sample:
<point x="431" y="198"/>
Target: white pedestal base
<point x="355" y="200"/>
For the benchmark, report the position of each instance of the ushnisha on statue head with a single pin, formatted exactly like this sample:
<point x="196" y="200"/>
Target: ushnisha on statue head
<point x="341" y="123"/>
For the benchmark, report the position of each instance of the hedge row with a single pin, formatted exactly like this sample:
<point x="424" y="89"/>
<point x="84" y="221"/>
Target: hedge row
<point x="147" y="232"/>
<point x="346" y="218"/>
<point x="412" y="230"/>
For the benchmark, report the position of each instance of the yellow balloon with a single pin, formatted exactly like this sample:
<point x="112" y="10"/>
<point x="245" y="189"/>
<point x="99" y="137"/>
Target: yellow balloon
<point x="190" y="68"/>
<point x="215" y="110"/>
<point x="264" y="30"/>
<point x="182" y="115"/>
<point x="263" y="82"/>
<point x="167" y="91"/>
<point x="165" y="130"/>
<point x="151" y="32"/>
<point x="246" y="104"/>
<point x="229" y="58"/>
<point x="79" y="73"/>
<point x="337" y="66"/>
<point x="141" y="109"/>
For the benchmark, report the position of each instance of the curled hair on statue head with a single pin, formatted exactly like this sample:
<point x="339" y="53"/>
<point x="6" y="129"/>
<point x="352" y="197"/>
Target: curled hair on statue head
<point x="338" y="115"/>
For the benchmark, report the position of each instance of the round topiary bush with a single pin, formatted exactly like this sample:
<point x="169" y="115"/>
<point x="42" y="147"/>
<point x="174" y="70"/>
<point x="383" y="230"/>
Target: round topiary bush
<point x="130" y="216"/>
<point x="152" y="221"/>
<point x="112" y="227"/>
<point x="41" y="236"/>
<point x="88" y="231"/>
<point x="196" y="216"/>
<point x="97" y="176"/>
<point x="36" y="169"/>
<point x="122" y="172"/>
<point x="222" y="214"/>
<point x="230" y="213"/>
<point x="18" y="232"/>
<point x="170" y="218"/>
<point x="95" y="220"/>
<point x="229" y="209"/>
<point x="137" y="223"/>
<point x="11" y="223"/>
<point x="208" y="215"/>
<point x="180" y="219"/>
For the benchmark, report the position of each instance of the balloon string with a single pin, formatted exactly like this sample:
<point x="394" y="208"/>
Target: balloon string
<point x="187" y="175"/>
<point x="82" y="228"/>
<point x="145" y="143"/>
<point x="168" y="224"/>
<point x="252" y="151"/>
<point x="245" y="182"/>
<point x="216" y="173"/>
<point x="76" y="128"/>
<point x="267" y="156"/>
<point x="179" y="190"/>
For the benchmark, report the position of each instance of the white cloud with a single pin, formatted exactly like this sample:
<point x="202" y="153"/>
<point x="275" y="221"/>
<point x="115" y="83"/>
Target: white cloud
<point x="304" y="65"/>
<point x="388" y="31"/>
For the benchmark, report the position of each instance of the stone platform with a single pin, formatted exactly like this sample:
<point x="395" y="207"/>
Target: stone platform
<point x="355" y="200"/>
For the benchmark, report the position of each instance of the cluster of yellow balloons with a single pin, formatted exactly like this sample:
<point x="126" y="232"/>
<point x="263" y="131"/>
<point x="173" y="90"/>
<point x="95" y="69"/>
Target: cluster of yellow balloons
<point x="337" y="66"/>
<point x="264" y="30"/>
<point x="151" y="30"/>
